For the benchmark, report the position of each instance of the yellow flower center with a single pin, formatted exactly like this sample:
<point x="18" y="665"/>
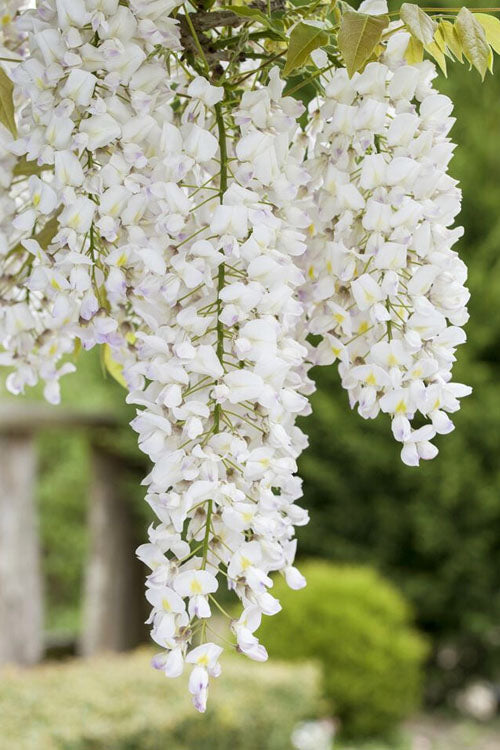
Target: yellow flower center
<point x="195" y="587"/>
<point x="401" y="407"/>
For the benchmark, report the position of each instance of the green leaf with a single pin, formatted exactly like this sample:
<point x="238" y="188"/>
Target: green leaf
<point x="304" y="39"/>
<point x="451" y="39"/>
<point x="245" y="11"/>
<point x="7" y="103"/>
<point x="114" y="368"/>
<point x="25" y="168"/>
<point x="439" y="39"/>
<point x="472" y="37"/>
<point x="422" y="26"/>
<point x="435" y="51"/>
<point x="491" y="26"/>
<point x="49" y="231"/>
<point x="414" y="52"/>
<point x="358" y="36"/>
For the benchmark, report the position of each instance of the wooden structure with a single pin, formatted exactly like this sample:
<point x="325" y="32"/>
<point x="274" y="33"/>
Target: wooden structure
<point x="112" y="613"/>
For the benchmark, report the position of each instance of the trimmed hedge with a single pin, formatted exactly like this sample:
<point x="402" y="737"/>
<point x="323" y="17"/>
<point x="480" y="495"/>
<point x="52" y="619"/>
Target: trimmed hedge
<point x="359" y="628"/>
<point x="119" y="703"/>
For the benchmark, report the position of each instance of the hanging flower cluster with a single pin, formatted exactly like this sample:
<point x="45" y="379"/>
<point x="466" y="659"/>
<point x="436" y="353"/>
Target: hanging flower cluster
<point x="166" y="204"/>
<point x="386" y="290"/>
<point x="226" y="380"/>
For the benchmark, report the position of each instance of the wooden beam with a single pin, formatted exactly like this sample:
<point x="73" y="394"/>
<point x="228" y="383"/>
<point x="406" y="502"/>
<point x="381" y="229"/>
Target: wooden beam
<point x="32" y="416"/>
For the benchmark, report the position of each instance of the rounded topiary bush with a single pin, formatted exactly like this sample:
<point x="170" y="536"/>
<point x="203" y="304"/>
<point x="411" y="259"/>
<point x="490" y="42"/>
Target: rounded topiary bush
<point x="359" y="628"/>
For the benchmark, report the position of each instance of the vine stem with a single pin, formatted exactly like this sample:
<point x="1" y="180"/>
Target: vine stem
<point x="219" y="118"/>
<point x="196" y="40"/>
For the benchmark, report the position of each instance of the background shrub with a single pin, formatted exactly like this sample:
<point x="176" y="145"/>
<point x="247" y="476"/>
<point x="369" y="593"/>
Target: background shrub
<point x="358" y="627"/>
<point x="120" y="703"/>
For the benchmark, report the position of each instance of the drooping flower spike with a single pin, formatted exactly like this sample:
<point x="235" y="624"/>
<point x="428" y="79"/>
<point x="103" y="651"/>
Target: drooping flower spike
<point x="385" y="289"/>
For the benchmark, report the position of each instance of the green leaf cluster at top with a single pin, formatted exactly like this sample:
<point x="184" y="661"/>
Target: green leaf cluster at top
<point x="359" y="37"/>
<point x="353" y="39"/>
<point x="289" y="32"/>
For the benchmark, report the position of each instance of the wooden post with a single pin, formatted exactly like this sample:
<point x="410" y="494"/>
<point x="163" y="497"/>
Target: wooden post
<point x="113" y="618"/>
<point x="21" y="598"/>
<point x="21" y="590"/>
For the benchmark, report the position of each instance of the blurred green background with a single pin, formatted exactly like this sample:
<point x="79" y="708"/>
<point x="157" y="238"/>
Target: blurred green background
<point x="433" y="533"/>
<point x="435" y="530"/>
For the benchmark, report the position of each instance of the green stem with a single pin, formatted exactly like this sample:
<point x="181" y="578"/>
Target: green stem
<point x="206" y="538"/>
<point x="221" y="274"/>
<point x="220" y="285"/>
<point x="310" y="79"/>
<point x="239" y="81"/>
<point x="196" y="40"/>
<point x="92" y="249"/>
<point x="190" y="237"/>
<point x="219" y="607"/>
<point x="223" y="150"/>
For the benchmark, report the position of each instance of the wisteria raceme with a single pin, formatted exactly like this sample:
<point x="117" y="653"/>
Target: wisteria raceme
<point x="197" y="233"/>
<point x="386" y="291"/>
<point x="226" y="380"/>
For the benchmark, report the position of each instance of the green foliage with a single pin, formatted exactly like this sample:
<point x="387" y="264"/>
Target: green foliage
<point x="304" y="39"/>
<point x="120" y="703"/>
<point x="253" y="14"/>
<point x="450" y="39"/>
<point x="421" y="25"/>
<point x="352" y="38"/>
<point x="491" y="26"/>
<point x="358" y="627"/>
<point x="472" y="37"/>
<point x="62" y="496"/>
<point x="25" y="168"/>
<point x="358" y="37"/>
